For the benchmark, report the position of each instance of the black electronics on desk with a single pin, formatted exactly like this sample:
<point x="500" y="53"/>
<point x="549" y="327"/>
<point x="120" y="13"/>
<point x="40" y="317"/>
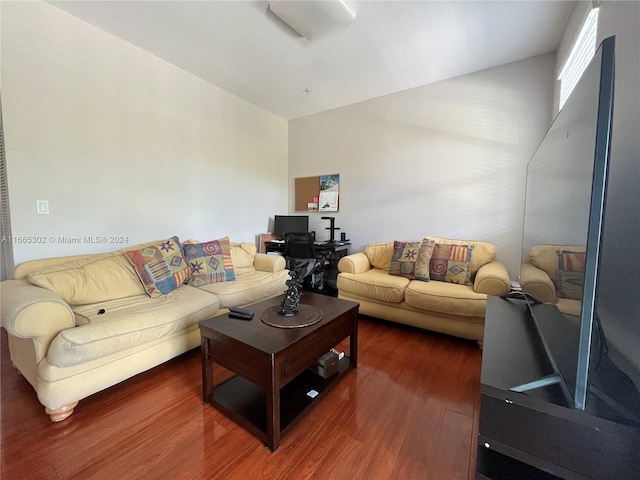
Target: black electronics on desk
<point x="290" y="223"/>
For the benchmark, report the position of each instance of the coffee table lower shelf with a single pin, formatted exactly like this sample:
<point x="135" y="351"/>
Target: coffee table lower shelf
<point x="246" y="404"/>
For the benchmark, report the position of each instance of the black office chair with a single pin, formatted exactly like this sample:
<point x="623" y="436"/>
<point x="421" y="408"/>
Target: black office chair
<point x="299" y="251"/>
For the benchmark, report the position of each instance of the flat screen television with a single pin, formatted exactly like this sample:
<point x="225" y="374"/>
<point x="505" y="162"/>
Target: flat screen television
<point x="565" y="207"/>
<point x="290" y="223"/>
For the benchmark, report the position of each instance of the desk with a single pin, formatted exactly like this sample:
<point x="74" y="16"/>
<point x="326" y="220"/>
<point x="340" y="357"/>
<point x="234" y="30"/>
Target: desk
<point x="336" y="250"/>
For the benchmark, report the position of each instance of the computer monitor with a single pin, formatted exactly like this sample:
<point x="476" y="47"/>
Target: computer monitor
<point x="290" y="223"/>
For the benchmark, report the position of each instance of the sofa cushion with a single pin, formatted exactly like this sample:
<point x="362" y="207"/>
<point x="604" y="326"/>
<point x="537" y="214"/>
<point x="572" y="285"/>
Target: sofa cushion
<point x="161" y="267"/>
<point x="108" y="278"/>
<point x="570" y="274"/>
<point x="403" y="261"/>
<point x="442" y="297"/>
<point x="483" y="252"/>
<point x="243" y="257"/>
<point x="379" y="255"/>
<point x="375" y="283"/>
<point x="210" y="262"/>
<point x="54" y="264"/>
<point x="129" y="322"/>
<point x="451" y="263"/>
<point x="424" y="259"/>
<point x="545" y="257"/>
<point x="249" y="287"/>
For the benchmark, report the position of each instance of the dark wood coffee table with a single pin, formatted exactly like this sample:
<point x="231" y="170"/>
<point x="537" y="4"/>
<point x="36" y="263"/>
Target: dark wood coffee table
<point x="272" y="383"/>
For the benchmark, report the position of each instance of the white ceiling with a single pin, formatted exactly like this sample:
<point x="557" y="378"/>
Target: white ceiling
<point x="242" y="47"/>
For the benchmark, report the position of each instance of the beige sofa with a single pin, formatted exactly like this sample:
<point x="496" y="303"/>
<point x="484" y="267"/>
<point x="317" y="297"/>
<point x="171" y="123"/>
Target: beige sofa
<point x="542" y="277"/>
<point x="449" y="308"/>
<point x="78" y="325"/>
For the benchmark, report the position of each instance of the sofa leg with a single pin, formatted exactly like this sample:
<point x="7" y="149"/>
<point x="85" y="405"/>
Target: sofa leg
<point x="61" y="413"/>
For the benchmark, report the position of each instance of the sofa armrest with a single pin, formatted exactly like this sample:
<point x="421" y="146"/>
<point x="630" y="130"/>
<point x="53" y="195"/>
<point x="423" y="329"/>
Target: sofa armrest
<point x="269" y="263"/>
<point x="492" y="279"/>
<point x="538" y="283"/>
<point x="28" y="311"/>
<point x="354" y="263"/>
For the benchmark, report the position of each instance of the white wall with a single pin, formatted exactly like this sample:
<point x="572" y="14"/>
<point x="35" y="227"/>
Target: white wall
<point x="445" y="159"/>
<point x="123" y="143"/>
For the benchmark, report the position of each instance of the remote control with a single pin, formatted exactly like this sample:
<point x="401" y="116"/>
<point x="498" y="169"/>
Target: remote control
<point x="241" y="313"/>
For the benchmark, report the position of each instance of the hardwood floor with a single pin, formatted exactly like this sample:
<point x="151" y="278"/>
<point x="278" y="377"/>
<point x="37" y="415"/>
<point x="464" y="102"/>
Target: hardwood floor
<point x="409" y="411"/>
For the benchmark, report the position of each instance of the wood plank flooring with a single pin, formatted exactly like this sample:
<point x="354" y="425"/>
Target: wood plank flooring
<point x="409" y="411"/>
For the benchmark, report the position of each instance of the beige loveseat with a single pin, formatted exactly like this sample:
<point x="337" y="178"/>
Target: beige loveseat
<point x="542" y="276"/>
<point x="77" y="325"/>
<point x="449" y="308"/>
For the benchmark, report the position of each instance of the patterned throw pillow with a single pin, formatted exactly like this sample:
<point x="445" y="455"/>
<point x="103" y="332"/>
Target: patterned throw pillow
<point x="210" y="262"/>
<point x="161" y="268"/>
<point x="570" y="274"/>
<point x="424" y="258"/>
<point x="451" y="263"/>
<point x="405" y="256"/>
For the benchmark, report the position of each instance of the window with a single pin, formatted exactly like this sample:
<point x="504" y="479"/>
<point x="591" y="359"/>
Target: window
<point x="580" y="56"/>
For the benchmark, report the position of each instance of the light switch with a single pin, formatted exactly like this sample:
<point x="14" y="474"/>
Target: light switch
<point x="42" y="207"/>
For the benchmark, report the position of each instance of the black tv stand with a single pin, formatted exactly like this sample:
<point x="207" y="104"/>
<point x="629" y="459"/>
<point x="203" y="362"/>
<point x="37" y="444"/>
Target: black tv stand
<point x="541" y="382"/>
<point x="537" y="431"/>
